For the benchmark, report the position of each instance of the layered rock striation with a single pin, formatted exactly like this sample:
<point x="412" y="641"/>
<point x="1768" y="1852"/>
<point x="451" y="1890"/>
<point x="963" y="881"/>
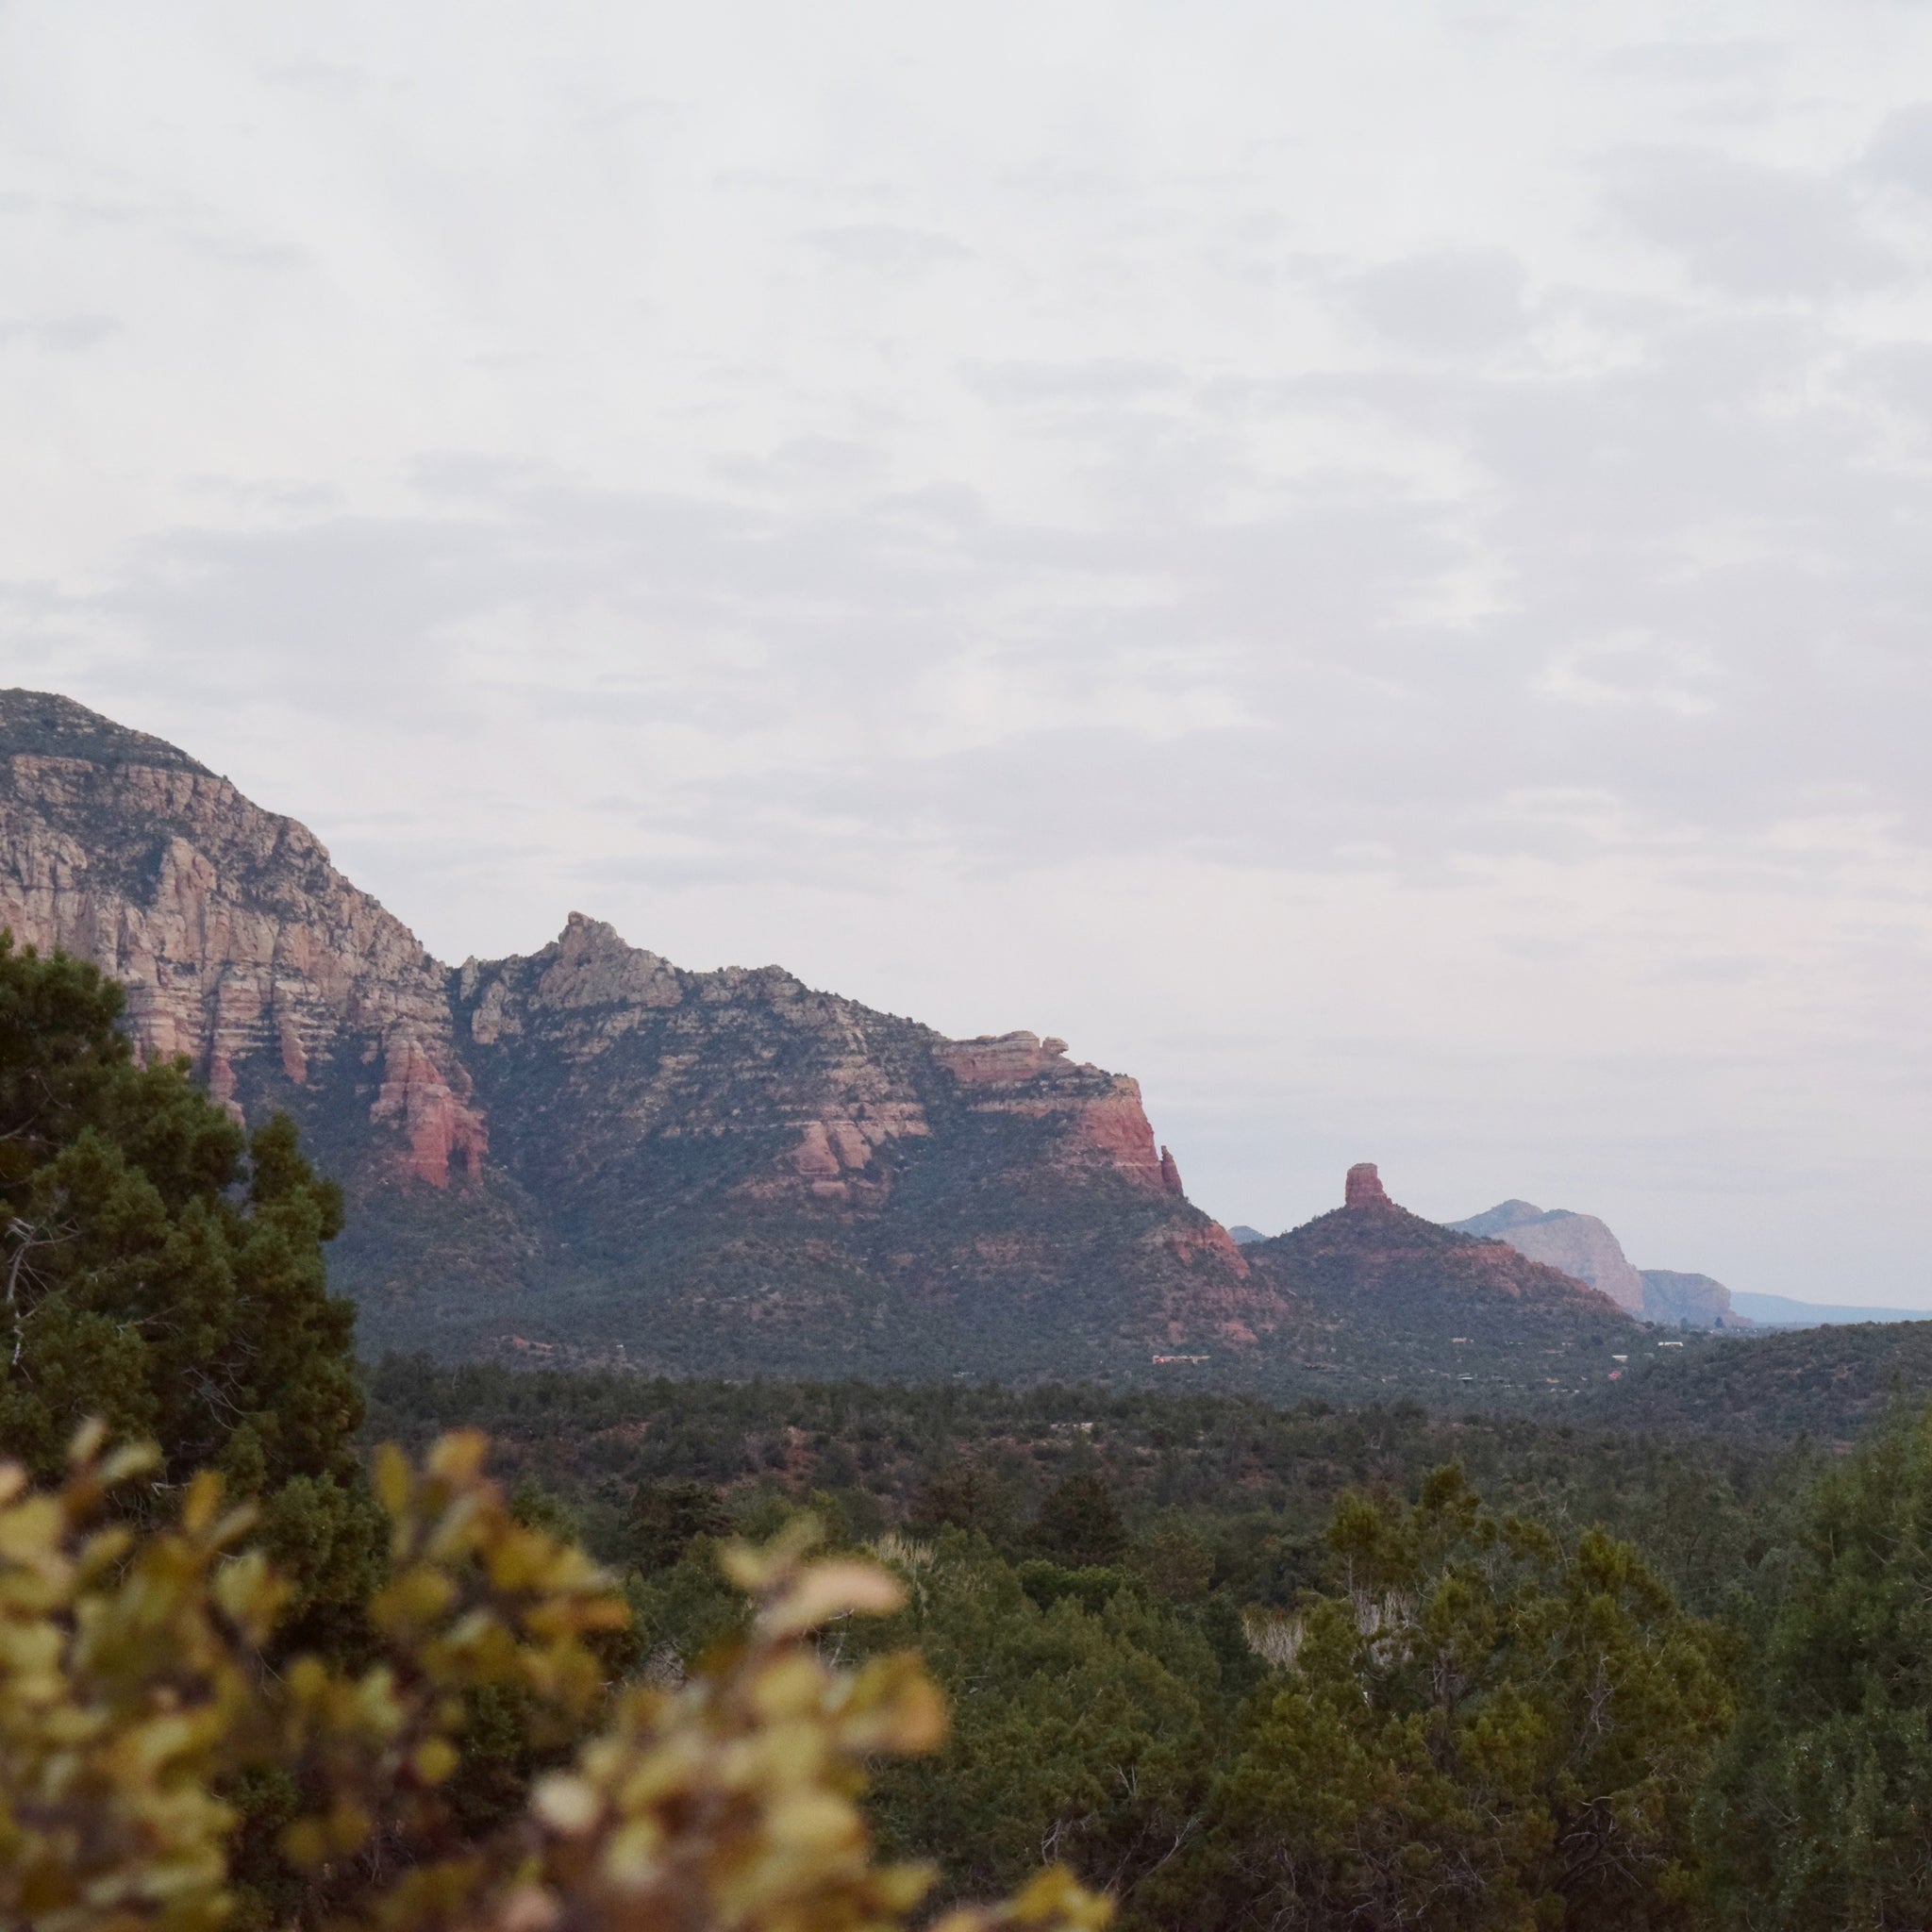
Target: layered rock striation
<point x="1362" y="1192"/>
<point x="589" y="1150"/>
<point x="241" y="946"/>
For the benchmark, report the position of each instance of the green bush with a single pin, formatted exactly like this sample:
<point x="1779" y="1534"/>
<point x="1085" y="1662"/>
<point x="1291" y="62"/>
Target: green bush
<point x="1475" y="1728"/>
<point x="158" y="1270"/>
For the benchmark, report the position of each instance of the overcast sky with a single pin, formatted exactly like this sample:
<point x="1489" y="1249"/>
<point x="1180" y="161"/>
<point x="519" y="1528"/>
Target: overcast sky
<point x="1366" y="564"/>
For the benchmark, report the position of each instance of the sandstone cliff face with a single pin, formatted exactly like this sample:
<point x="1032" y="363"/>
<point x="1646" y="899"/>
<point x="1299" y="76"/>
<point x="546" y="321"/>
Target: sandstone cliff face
<point x="1105" y="1126"/>
<point x="685" y="1170"/>
<point x="1362" y="1191"/>
<point x="636" y="1050"/>
<point x="720" y="1128"/>
<point x="1673" y="1298"/>
<point x="741" y="1056"/>
<point x="240" y="945"/>
<point x="1583" y="1246"/>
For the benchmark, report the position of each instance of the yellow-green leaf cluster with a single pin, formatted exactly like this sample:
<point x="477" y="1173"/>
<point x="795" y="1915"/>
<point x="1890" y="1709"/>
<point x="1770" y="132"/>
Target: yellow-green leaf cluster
<point x="124" y="1680"/>
<point x="134" y="1688"/>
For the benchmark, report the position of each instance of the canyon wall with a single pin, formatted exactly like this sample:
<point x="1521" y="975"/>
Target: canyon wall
<point x="588" y="1145"/>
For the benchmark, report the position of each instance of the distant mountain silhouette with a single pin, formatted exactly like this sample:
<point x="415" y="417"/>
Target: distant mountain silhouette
<point x="1776" y="1311"/>
<point x="1580" y="1245"/>
<point x="1583" y="1246"/>
<point x="1397" y="1299"/>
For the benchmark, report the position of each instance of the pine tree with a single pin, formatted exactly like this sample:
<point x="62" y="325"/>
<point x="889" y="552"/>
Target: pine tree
<point x="1079" y="1523"/>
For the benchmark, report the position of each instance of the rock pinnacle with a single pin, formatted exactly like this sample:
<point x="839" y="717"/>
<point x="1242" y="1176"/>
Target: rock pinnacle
<point x="1364" y="1188"/>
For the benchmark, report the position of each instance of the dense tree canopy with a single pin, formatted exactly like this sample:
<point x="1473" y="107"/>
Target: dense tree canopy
<point x="158" y="1270"/>
<point x="1084" y="1716"/>
<point x="1478" y="1729"/>
<point x="1821" y="1812"/>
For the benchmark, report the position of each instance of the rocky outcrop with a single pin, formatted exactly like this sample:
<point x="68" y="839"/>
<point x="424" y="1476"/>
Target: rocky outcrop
<point x="1583" y="1246"/>
<point x="1697" y="1300"/>
<point x="1003" y="1059"/>
<point x="1397" y="1300"/>
<point x="1104" y="1121"/>
<point x="1389" y="1251"/>
<point x="846" y="1085"/>
<point x="725" y="1170"/>
<point x="240" y="945"/>
<point x="1362" y="1192"/>
<point x="945" y="1175"/>
<point x="754" y="1058"/>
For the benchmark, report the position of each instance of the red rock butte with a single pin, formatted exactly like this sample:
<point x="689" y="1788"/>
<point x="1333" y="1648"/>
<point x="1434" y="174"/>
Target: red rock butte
<point x="1363" y="1188"/>
<point x="779" y="1177"/>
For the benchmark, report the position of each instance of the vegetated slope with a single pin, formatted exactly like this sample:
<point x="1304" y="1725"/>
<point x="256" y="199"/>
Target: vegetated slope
<point x="746" y="1175"/>
<point x="1266" y="1475"/>
<point x="589" y="1155"/>
<point x="1397" y="1303"/>
<point x="1833" y="1383"/>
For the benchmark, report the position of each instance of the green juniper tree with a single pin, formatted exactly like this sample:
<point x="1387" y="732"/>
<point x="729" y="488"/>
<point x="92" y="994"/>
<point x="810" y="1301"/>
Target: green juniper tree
<point x="1082" y="1729"/>
<point x="158" y="1269"/>
<point x="1478" y="1729"/>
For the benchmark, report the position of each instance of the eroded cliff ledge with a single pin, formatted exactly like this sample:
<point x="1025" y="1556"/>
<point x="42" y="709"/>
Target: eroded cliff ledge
<point x="647" y="1151"/>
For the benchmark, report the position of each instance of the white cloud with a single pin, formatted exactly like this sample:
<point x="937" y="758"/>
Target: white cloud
<point x="1365" y="567"/>
<point x="1750" y="229"/>
<point x="1631" y="668"/>
<point x="1451" y="300"/>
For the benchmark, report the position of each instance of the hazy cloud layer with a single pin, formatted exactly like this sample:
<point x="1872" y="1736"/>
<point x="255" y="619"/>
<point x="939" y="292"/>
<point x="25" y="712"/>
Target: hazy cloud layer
<point x="1367" y="567"/>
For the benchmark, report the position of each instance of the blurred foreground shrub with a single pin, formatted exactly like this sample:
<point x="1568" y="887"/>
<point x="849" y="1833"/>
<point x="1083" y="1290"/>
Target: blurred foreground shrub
<point x="143" y="1734"/>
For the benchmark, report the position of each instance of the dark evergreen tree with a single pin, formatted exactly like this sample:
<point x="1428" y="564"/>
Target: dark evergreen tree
<point x="1079" y="1523"/>
<point x="961" y="1496"/>
<point x="158" y="1268"/>
<point x="665" y="1518"/>
<point x="1821" y="1813"/>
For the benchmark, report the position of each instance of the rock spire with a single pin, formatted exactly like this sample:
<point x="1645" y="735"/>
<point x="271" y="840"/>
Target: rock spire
<point x="1363" y="1188"/>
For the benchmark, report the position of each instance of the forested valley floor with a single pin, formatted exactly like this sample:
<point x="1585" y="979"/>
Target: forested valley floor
<point x="1311" y="1666"/>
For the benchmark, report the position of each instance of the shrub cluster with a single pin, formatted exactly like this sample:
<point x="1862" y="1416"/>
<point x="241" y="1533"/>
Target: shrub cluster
<point x="140" y="1716"/>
